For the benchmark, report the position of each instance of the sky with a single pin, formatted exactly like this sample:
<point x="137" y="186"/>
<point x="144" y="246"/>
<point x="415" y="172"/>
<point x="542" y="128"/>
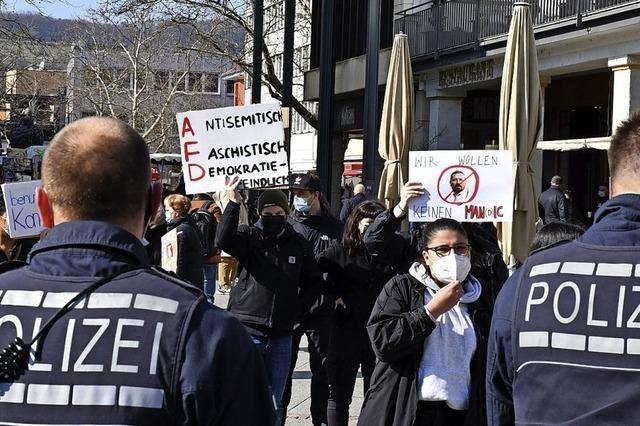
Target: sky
<point x="55" y="9"/>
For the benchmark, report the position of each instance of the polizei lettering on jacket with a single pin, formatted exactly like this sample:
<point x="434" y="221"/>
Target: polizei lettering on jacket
<point x="108" y="337"/>
<point x="584" y="307"/>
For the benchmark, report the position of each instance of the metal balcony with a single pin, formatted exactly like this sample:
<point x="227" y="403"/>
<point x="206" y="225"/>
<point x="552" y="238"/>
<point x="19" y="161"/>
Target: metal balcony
<point x="440" y="26"/>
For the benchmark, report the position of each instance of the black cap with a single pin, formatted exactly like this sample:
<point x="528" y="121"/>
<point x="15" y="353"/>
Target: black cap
<point x="305" y="181"/>
<point x="273" y="197"/>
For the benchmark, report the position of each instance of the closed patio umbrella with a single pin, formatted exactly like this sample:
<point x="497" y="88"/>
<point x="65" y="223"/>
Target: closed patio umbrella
<point x="519" y="129"/>
<point x="397" y="124"/>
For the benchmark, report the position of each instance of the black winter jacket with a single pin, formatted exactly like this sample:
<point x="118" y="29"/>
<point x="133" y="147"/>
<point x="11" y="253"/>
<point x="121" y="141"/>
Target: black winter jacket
<point x="487" y="265"/>
<point x="321" y="231"/>
<point x="552" y="205"/>
<point x="357" y="280"/>
<point x="189" y="251"/>
<point x="278" y="278"/>
<point x="398" y="328"/>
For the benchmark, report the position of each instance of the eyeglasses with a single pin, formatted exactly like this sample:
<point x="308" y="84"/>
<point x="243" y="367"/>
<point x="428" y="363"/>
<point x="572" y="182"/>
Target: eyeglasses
<point x="459" y="249"/>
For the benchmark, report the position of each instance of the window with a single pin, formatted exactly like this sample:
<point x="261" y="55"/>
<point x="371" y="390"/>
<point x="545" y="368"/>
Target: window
<point x="230" y="87"/>
<point x="211" y="83"/>
<point x="194" y="82"/>
<point x="163" y="80"/>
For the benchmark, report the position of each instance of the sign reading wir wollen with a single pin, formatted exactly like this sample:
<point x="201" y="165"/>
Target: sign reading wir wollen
<point x="246" y="141"/>
<point x="22" y="213"/>
<point x="468" y="186"/>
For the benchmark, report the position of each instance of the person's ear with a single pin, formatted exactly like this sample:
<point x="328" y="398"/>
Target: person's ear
<point x="44" y="208"/>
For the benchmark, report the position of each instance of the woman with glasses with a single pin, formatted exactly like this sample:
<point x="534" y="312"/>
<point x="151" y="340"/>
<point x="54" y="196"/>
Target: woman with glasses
<point x="423" y="333"/>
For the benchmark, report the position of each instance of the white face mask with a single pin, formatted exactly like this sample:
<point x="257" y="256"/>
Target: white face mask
<point x="453" y="267"/>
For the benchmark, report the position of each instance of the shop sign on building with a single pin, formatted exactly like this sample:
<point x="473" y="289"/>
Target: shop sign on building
<point x="468" y="186"/>
<point x="467" y="73"/>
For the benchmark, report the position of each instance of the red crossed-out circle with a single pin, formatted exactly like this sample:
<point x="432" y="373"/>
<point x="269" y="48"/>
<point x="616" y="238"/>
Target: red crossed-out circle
<point x="459" y="167"/>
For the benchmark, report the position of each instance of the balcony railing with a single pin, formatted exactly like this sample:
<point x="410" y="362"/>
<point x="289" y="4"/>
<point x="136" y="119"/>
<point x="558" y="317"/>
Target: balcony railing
<point x="439" y="26"/>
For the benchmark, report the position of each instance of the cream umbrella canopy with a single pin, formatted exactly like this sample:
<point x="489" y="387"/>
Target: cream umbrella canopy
<point x="519" y="129"/>
<point x="397" y="124"/>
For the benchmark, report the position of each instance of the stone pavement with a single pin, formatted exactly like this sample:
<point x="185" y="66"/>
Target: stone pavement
<point x="299" y="413"/>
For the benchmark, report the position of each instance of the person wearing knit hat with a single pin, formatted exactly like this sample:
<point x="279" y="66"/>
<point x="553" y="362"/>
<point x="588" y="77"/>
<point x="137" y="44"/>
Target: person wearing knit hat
<point x="273" y="197"/>
<point x="278" y="276"/>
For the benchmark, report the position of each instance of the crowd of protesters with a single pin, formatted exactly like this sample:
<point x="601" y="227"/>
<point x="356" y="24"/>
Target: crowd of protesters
<point x="412" y="310"/>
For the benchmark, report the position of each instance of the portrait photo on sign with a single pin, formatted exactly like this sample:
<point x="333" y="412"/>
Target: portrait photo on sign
<point x="469" y="186"/>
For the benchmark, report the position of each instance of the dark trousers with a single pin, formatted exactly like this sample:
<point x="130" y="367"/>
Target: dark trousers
<point x="318" y="332"/>
<point x="349" y="350"/>
<point x="438" y="414"/>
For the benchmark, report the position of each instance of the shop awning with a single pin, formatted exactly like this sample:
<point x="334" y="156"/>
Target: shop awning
<point x="168" y="158"/>
<point x="575" y="144"/>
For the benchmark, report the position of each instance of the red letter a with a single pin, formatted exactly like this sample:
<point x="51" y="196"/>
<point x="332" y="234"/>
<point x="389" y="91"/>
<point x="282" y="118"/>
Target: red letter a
<point x="186" y="127"/>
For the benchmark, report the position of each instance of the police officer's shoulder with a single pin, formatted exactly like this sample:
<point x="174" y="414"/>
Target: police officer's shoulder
<point x="171" y="277"/>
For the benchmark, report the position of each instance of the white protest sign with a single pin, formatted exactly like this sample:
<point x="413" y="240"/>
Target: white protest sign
<point x="169" y="253"/>
<point x="22" y="214"/>
<point x="246" y="141"/>
<point x="468" y="186"/>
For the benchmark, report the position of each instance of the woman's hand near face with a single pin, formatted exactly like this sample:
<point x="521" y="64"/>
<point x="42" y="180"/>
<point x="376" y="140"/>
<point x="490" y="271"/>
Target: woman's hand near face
<point x="445" y="299"/>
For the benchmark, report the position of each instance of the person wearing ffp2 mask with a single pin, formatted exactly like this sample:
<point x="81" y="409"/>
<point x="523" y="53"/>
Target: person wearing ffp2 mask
<point x="430" y="360"/>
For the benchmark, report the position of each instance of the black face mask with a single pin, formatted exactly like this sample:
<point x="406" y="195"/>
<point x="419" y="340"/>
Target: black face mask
<point x="273" y="225"/>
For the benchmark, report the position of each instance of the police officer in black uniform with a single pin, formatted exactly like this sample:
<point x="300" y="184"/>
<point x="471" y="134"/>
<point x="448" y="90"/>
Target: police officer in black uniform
<point x="143" y="348"/>
<point x="565" y="338"/>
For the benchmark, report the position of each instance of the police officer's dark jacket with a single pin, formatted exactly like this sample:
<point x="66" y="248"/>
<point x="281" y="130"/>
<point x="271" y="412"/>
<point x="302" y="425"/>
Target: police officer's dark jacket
<point x="565" y="336"/>
<point x="278" y="278"/>
<point x="321" y="231"/>
<point x="144" y="349"/>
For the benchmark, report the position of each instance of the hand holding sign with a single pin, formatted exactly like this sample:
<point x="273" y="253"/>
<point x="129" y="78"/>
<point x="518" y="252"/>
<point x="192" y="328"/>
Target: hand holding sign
<point x="231" y="188"/>
<point x="409" y="191"/>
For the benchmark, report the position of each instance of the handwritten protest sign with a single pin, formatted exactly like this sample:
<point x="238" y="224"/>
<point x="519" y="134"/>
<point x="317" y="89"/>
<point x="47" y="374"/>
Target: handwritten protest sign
<point x="469" y="186"/>
<point x="169" y="253"/>
<point x="22" y="214"/>
<point x="246" y="141"/>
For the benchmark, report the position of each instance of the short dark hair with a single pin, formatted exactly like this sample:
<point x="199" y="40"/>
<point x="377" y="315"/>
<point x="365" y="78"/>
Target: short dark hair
<point x="351" y="238"/>
<point x="555" y="232"/>
<point x="624" y="151"/>
<point x="97" y="169"/>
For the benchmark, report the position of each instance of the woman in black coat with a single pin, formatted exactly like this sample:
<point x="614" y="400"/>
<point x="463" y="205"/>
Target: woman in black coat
<point x="176" y="208"/>
<point x="424" y="334"/>
<point x="356" y="280"/>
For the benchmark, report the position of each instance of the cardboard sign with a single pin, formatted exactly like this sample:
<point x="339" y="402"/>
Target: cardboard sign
<point x="169" y="254"/>
<point x="22" y="214"/>
<point x="468" y="186"/>
<point x="245" y="141"/>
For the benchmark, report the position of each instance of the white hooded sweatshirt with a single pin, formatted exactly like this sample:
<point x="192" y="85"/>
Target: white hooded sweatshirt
<point x="445" y="372"/>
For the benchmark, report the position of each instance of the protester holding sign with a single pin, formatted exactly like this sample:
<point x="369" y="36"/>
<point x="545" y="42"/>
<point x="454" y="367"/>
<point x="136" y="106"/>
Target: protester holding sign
<point x="387" y="246"/>
<point x="277" y="278"/>
<point x="176" y="208"/>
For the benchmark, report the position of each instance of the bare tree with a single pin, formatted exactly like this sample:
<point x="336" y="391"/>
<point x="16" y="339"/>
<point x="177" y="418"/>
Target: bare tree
<point x="141" y="68"/>
<point x="207" y="17"/>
